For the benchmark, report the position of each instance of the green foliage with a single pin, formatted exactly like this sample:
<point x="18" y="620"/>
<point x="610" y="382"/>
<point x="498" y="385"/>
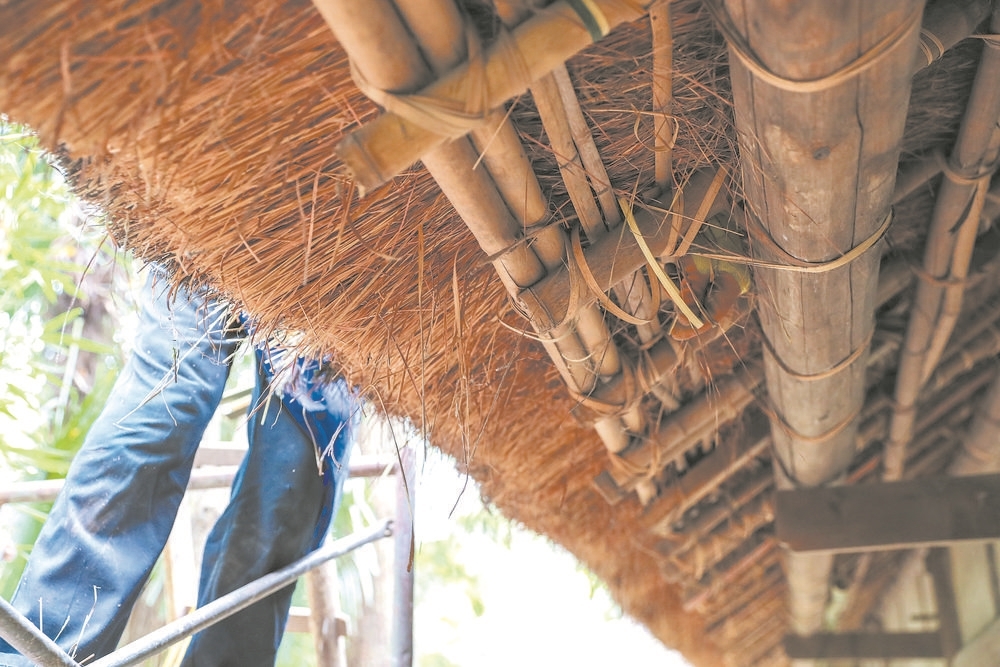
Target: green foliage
<point x="43" y="414"/>
<point x="437" y="566"/>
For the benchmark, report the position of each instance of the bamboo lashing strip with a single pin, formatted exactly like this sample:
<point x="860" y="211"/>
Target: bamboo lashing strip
<point x="638" y="377"/>
<point x="448" y="116"/>
<point x="531" y="232"/>
<point x="821" y="375"/>
<point x="548" y="298"/>
<point x="702" y="213"/>
<point x="654" y="265"/>
<point x="592" y="16"/>
<point x="956" y="176"/>
<point x="946" y="281"/>
<point x="835" y="430"/>
<point x="793" y="263"/>
<point x="738" y="46"/>
<point x="580" y="264"/>
<point x="991" y="41"/>
<point x="384" y="147"/>
<point x="927" y="40"/>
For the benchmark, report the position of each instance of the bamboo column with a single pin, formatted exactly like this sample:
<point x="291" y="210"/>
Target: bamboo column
<point x="820" y="94"/>
<point x="950" y="240"/>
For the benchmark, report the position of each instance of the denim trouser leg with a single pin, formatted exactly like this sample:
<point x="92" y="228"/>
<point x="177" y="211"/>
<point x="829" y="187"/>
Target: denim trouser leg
<point x="279" y="511"/>
<point x="110" y="523"/>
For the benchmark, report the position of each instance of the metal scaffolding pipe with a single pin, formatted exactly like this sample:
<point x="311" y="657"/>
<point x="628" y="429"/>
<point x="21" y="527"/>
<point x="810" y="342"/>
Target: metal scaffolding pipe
<point x="29" y="641"/>
<point x="241" y="598"/>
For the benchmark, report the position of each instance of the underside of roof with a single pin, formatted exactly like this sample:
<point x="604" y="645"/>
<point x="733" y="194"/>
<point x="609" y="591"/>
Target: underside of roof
<point x="636" y="266"/>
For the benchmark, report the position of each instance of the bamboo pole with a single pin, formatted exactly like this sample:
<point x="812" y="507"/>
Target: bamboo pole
<point x="819" y="187"/>
<point x="664" y="125"/>
<point x="590" y="157"/>
<point x="471" y="191"/>
<point x="957" y="194"/>
<point x="391" y="143"/>
<point x="585" y="349"/>
<point x="613" y="258"/>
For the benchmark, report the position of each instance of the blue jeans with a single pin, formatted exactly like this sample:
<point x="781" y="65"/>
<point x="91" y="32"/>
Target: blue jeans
<point x="111" y="521"/>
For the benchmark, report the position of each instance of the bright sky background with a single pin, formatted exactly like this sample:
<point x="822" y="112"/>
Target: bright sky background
<point x="538" y="606"/>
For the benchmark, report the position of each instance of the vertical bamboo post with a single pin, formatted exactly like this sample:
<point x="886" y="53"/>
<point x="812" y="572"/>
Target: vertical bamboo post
<point x="963" y="182"/>
<point x="325" y="617"/>
<point x="819" y="145"/>
<point x="403" y="538"/>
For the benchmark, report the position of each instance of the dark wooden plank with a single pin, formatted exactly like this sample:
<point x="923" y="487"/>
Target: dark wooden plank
<point x="891" y="515"/>
<point x="860" y="645"/>
<point x="938" y="564"/>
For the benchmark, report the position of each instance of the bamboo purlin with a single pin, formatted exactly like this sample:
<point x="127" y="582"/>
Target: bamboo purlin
<point x="392" y="143"/>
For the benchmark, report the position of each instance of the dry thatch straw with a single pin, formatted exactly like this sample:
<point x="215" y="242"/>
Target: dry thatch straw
<point x="206" y="131"/>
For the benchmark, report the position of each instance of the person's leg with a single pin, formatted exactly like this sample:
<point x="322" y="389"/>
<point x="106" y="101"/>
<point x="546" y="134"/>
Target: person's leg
<point x="280" y="510"/>
<point x="110" y="523"/>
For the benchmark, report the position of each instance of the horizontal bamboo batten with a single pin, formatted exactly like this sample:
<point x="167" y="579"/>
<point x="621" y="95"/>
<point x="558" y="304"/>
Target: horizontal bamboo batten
<point x="392" y="143"/>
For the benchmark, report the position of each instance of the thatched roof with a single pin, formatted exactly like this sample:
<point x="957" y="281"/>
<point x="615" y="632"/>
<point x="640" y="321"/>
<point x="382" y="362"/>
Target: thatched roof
<point x="207" y="132"/>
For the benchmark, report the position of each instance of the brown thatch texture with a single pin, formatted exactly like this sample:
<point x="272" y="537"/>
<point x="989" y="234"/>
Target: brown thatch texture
<point x="206" y="130"/>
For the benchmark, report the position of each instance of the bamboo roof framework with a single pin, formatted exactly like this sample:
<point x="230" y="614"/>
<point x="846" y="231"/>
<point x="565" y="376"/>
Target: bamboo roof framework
<point x="538" y="349"/>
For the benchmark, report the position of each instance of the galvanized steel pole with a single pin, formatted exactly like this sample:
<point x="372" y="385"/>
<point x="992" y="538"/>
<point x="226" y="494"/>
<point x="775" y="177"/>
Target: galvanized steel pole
<point x="28" y="640"/>
<point x="229" y="604"/>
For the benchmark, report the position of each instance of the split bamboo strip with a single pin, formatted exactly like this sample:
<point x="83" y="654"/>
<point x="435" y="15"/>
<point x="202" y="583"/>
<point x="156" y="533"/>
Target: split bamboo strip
<point x="633" y="293"/>
<point x="695" y="422"/>
<point x="391" y="143"/>
<point x="752" y="619"/>
<point x="757" y="485"/>
<point x="613" y="258"/>
<point x="590" y="158"/>
<point x="715" y="546"/>
<point x="664" y="125"/>
<point x="548" y="101"/>
<point x="963" y="178"/>
<point x="803" y="184"/>
<point x="755" y="555"/>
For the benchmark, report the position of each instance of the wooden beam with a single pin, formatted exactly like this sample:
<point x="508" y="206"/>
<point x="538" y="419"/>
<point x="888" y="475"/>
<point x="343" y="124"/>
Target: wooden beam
<point x="890" y="515"/>
<point x="864" y="645"/>
<point x="938" y="563"/>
